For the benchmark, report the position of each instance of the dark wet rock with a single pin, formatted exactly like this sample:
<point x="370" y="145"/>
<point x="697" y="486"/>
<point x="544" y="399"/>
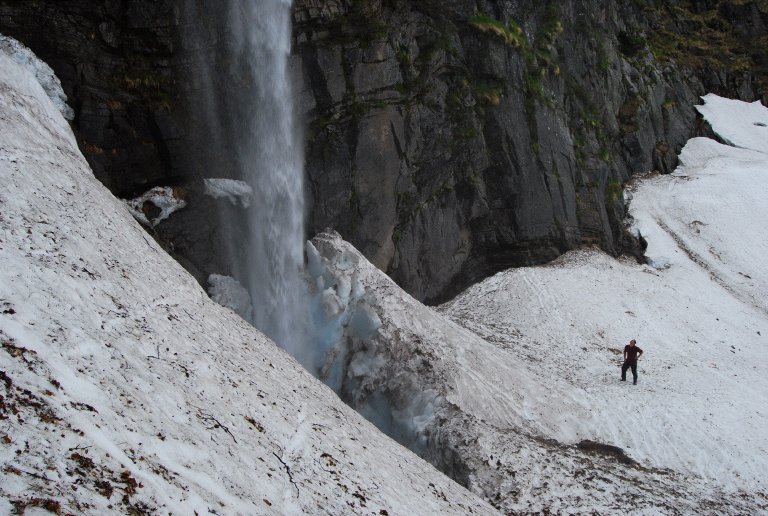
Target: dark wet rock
<point x="606" y="450"/>
<point x="116" y="63"/>
<point x="511" y="152"/>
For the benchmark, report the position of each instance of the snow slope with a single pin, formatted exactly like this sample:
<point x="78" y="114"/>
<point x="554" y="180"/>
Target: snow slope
<point x="125" y="389"/>
<point x="519" y="398"/>
<point x="484" y="401"/>
<point x="701" y="316"/>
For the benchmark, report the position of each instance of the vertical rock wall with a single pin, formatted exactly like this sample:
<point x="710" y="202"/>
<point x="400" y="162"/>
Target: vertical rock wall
<point x="449" y="140"/>
<point x="118" y="63"/>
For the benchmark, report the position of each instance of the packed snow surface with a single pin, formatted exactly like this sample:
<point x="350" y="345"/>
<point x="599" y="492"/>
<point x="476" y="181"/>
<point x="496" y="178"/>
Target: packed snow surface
<point x="155" y="205"/>
<point x="740" y="124"/>
<point x="700" y="315"/>
<point x="125" y="389"/>
<point x="519" y="394"/>
<point x="491" y="415"/>
<point x="41" y="71"/>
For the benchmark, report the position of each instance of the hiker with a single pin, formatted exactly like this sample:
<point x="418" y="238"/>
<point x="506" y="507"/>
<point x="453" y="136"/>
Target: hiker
<point x="631" y="354"/>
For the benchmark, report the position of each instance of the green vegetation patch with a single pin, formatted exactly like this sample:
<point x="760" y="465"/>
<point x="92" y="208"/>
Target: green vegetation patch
<point x="539" y="56"/>
<point x="491" y="92"/>
<point x="613" y="191"/>
<point x="510" y="32"/>
<point x="705" y="38"/>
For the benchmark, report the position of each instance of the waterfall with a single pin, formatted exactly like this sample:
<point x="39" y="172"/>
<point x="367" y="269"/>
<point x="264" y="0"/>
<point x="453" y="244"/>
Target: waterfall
<point x="249" y="152"/>
<point x="249" y="124"/>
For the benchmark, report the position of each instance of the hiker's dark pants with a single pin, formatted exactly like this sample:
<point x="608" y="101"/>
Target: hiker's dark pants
<point x="627" y="365"/>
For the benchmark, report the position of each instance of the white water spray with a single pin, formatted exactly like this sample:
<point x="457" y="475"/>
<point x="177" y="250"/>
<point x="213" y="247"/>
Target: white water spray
<point x="250" y="110"/>
<point x="252" y="162"/>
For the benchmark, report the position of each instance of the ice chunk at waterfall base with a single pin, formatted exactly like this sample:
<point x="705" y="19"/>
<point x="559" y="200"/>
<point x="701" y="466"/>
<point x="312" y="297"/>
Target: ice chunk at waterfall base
<point x="235" y="191"/>
<point x="227" y="291"/>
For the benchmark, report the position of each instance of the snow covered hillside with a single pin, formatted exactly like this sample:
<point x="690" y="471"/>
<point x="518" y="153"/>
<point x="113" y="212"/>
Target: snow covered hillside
<point x="491" y="412"/>
<point x="700" y="313"/>
<point x="124" y="389"/>
<point x="519" y="398"/>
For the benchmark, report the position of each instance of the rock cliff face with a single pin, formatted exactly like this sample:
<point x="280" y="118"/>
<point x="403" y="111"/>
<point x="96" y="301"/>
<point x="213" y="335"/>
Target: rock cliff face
<point x="118" y="63"/>
<point x="446" y="140"/>
<point x="467" y="137"/>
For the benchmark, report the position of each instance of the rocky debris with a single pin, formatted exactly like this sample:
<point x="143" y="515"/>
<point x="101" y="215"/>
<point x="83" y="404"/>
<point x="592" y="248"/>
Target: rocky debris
<point x="605" y="449"/>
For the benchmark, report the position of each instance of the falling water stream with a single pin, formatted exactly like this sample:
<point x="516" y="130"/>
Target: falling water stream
<point x="251" y="142"/>
<point x="250" y="118"/>
<point x="272" y="166"/>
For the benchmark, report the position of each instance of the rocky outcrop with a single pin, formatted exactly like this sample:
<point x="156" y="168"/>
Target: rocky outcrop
<point x="446" y="140"/>
<point x="118" y="63"/>
<point x="466" y="138"/>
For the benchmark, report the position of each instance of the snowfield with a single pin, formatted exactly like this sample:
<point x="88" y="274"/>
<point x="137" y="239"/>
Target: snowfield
<point x="513" y="387"/>
<point x="701" y="317"/>
<point x="124" y="389"/>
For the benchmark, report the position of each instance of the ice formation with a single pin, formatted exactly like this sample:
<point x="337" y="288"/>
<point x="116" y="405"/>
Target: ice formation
<point x="341" y="315"/>
<point x="237" y="192"/>
<point x="42" y="72"/>
<point x="357" y="351"/>
<point x="163" y="198"/>
<point x="227" y="291"/>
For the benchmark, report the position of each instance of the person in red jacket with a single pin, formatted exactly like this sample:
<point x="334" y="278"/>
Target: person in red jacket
<point x="631" y="354"/>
